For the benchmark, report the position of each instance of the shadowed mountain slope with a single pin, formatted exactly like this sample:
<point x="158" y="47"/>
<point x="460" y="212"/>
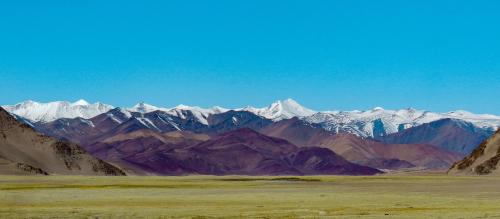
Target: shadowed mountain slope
<point x="362" y="151"/>
<point x="449" y="134"/>
<point x="100" y="136"/>
<point x="239" y="152"/>
<point x="484" y="160"/>
<point x="144" y="142"/>
<point x="118" y="121"/>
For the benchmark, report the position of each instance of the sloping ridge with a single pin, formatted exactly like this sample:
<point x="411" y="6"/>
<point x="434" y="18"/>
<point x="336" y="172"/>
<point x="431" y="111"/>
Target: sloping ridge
<point x="24" y="151"/>
<point x="246" y="152"/>
<point x="449" y="134"/>
<point x="484" y="160"/>
<point x="362" y="151"/>
<point x="130" y="150"/>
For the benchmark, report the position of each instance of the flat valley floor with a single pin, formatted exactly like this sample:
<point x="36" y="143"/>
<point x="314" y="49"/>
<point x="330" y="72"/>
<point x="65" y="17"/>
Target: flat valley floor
<point x="385" y="196"/>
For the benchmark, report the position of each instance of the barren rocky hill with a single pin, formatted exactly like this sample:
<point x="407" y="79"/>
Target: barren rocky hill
<point x="24" y="151"/>
<point x="484" y="160"/>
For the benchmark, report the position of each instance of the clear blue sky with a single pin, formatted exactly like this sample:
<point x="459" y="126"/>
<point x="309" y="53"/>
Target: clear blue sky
<point x="435" y="55"/>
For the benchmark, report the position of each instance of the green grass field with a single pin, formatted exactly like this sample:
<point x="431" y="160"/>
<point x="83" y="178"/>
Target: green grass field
<point x="390" y="196"/>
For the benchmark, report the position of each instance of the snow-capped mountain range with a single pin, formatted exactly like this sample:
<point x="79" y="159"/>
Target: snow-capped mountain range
<point x="379" y="122"/>
<point x="201" y="114"/>
<point x="46" y="112"/>
<point x="370" y="123"/>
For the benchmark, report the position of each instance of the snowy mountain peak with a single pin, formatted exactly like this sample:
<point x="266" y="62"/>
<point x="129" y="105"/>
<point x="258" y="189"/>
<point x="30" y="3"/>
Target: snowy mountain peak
<point x="143" y="107"/>
<point x="200" y="114"/>
<point x="181" y="111"/>
<point x="46" y="112"/>
<point x="290" y="102"/>
<point x="27" y="102"/>
<point x="182" y="106"/>
<point x="367" y="123"/>
<point x="80" y="102"/>
<point x="121" y="112"/>
<point x="218" y="109"/>
<point x="469" y="115"/>
<point x="215" y="109"/>
<point x="281" y="109"/>
<point x="381" y="121"/>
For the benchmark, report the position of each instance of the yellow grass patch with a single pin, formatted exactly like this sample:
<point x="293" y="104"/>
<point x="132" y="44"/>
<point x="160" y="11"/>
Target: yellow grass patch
<point x="387" y="196"/>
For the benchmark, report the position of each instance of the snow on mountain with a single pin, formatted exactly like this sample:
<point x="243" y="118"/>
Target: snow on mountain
<point x="281" y="109"/>
<point x="480" y="120"/>
<point x="80" y="102"/>
<point x="181" y="111"/>
<point x="119" y="115"/>
<point x="379" y="122"/>
<point x="145" y="108"/>
<point x="370" y="123"/>
<point x="46" y="112"/>
<point x="201" y="114"/>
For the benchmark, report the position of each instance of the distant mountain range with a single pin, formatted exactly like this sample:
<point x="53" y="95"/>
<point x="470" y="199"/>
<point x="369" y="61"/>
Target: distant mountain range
<point x="136" y="143"/>
<point x="370" y="123"/>
<point x="239" y="152"/>
<point x="47" y="112"/>
<point x="283" y="138"/>
<point x="449" y="134"/>
<point x="363" y="151"/>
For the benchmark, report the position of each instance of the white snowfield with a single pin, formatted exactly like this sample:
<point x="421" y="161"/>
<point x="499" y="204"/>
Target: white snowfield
<point x="46" y="112"/>
<point x="181" y="111"/>
<point x="281" y="109"/>
<point x="364" y="123"/>
<point x="369" y="123"/>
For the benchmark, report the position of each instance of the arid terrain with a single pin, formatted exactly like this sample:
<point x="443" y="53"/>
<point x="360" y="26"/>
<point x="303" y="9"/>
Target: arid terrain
<point x="384" y="196"/>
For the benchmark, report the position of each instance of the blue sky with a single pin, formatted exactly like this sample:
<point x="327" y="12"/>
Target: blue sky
<point x="435" y="55"/>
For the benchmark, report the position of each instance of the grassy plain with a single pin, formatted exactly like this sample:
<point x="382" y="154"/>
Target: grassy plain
<point x="385" y="196"/>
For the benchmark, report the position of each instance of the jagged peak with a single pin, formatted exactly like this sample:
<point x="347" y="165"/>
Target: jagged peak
<point x="281" y="109"/>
